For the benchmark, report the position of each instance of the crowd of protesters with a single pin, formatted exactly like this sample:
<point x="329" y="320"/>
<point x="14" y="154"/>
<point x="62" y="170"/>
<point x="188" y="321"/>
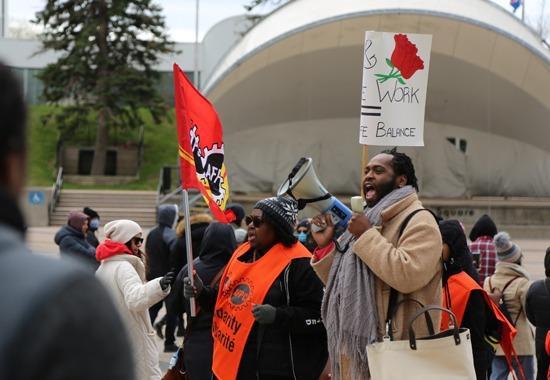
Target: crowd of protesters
<point x="276" y="298"/>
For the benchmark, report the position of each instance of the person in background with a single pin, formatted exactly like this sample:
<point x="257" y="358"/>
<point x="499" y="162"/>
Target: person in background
<point x="71" y="239"/>
<point x="267" y="322"/>
<point x="235" y="214"/>
<point x="216" y="249"/>
<point x="199" y="224"/>
<point x="483" y="248"/>
<point x="57" y="321"/>
<point x="178" y="259"/>
<point x="469" y="302"/>
<point x="537" y="306"/>
<point x="93" y="225"/>
<point x="511" y="280"/>
<point x="158" y="248"/>
<point x="123" y="272"/>
<point x="303" y="233"/>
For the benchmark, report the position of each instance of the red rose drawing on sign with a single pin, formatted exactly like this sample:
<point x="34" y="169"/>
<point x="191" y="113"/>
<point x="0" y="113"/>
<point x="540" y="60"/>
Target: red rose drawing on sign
<point x="404" y="60"/>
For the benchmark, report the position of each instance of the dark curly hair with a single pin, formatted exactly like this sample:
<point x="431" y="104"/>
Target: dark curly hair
<point x="402" y="165"/>
<point x="281" y="235"/>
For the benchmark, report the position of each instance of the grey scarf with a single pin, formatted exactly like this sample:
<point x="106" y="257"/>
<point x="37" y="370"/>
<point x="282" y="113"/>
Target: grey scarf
<point x="349" y="308"/>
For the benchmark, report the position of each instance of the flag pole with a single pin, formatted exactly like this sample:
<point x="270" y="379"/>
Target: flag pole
<point x="196" y="48"/>
<point x="189" y="247"/>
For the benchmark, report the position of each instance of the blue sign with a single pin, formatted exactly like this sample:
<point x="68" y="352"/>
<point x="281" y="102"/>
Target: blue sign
<point x="37" y="197"/>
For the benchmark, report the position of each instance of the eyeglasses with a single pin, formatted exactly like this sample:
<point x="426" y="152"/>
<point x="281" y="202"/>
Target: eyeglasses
<point x="255" y="220"/>
<point x="137" y="241"/>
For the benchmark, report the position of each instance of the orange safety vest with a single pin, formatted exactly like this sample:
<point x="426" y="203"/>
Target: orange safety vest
<point x="242" y="285"/>
<point x="459" y="287"/>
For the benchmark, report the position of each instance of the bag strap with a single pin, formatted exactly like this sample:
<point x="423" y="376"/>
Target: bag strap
<point x="217" y="277"/>
<point x="426" y="310"/>
<point x="509" y="282"/>
<point x="392" y="304"/>
<point x="504" y="302"/>
<point x="429" y="321"/>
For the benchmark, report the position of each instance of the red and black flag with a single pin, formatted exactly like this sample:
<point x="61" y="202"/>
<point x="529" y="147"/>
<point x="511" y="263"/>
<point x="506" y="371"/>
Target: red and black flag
<point x="201" y="150"/>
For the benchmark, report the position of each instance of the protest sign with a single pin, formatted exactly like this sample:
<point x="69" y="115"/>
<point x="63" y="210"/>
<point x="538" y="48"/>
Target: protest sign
<point x="395" y="81"/>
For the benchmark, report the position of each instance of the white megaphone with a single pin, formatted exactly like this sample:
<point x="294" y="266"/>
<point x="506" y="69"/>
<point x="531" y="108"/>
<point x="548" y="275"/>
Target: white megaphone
<point x="303" y="185"/>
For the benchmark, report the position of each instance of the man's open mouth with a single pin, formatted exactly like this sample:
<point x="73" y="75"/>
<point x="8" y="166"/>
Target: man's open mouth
<point x="370" y="191"/>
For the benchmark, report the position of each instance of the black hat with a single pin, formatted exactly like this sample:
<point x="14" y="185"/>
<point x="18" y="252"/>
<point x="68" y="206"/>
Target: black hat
<point x="239" y="212"/>
<point x="483" y="227"/>
<point x="281" y="210"/>
<point x="91" y="213"/>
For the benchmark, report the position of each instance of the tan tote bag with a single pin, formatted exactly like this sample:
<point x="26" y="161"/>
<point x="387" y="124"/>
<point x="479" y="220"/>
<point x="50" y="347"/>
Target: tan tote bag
<point x="447" y="355"/>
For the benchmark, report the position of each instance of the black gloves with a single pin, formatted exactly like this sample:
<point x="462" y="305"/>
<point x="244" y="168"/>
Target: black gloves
<point x="167" y="280"/>
<point x="264" y="314"/>
<point x="190" y="291"/>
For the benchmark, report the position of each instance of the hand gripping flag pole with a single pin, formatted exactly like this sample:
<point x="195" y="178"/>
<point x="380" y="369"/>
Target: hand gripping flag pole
<point x="189" y="248"/>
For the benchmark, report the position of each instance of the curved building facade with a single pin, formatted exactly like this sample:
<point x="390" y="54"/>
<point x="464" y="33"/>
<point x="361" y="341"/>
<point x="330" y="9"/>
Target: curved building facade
<point x="291" y="87"/>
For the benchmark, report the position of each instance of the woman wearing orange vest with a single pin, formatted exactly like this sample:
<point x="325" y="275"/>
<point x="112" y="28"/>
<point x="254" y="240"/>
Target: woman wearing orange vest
<point x="469" y="302"/>
<point x="267" y="322"/>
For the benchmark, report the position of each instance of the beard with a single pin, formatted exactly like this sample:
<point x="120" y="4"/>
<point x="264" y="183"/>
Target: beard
<point x="382" y="190"/>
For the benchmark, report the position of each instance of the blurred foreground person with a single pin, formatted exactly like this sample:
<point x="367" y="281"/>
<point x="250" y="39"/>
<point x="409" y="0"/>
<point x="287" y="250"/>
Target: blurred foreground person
<point x="71" y="239"/>
<point x="267" y="322"/>
<point x="216" y="249"/>
<point x="123" y="272"/>
<point x="57" y="321"/>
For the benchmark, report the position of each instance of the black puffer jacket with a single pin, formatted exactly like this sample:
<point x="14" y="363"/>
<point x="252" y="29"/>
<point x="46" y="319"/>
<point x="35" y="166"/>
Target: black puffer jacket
<point x="537" y="307"/>
<point x="160" y="242"/>
<point x="295" y="345"/>
<point x="73" y="242"/>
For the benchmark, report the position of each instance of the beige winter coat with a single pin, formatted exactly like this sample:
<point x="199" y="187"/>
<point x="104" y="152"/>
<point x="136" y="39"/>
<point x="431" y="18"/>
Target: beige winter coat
<point x="410" y="264"/>
<point x="124" y="276"/>
<point x="514" y="296"/>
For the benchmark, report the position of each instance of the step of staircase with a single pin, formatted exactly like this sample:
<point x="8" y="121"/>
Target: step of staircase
<point x="139" y="206"/>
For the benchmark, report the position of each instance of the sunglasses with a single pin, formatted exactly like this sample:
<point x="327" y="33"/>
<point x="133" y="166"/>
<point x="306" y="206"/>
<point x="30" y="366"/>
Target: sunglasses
<point x="255" y="220"/>
<point x="137" y="240"/>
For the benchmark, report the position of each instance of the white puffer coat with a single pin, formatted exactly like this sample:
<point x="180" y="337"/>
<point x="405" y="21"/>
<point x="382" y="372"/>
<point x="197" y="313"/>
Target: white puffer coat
<point x="124" y="276"/>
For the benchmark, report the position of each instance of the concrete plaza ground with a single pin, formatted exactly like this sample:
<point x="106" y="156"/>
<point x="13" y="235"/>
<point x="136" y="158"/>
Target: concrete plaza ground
<point x="40" y="239"/>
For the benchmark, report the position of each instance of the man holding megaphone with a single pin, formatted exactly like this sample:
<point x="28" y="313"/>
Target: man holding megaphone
<point x="389" y="253"/>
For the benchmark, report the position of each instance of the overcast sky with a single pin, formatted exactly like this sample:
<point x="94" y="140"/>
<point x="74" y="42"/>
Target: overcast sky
<point x="180" y="14"/>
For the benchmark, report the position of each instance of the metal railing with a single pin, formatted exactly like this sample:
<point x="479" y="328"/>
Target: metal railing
<point x="169" y="187"/>
<point x="56" y="191"/>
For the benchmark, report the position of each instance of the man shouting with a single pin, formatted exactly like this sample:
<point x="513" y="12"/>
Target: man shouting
<point x="374" y="261"/>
